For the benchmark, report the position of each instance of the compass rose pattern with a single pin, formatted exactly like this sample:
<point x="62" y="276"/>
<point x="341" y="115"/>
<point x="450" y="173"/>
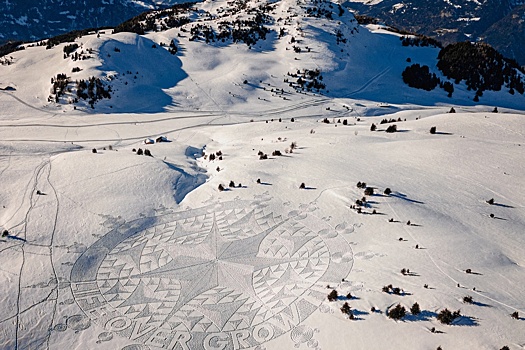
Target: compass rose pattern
<point x="234" y="275"/>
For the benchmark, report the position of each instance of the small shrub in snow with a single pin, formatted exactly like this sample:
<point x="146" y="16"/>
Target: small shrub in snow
<point x="333" y="295"/>
<point x="415" y="309"/>
<point x="345" y="309"/>
<point x="446" y="316"/>
<point x="467" y="299"/>
<point x="397" y="312"/>
<point x="391" y="128"/>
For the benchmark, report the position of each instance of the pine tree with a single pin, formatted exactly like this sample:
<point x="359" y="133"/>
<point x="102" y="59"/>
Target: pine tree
<point x="415" y="310"/>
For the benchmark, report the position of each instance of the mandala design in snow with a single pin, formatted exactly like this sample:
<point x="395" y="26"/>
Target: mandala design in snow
<point x="229" y="276"/>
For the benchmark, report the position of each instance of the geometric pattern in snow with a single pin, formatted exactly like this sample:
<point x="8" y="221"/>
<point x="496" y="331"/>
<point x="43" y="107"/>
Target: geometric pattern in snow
<point x="232" y="275"/>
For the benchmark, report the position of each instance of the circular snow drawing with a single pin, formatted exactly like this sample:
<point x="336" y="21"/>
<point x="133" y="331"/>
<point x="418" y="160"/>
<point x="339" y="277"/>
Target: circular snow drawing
<point x="228" y="276"/>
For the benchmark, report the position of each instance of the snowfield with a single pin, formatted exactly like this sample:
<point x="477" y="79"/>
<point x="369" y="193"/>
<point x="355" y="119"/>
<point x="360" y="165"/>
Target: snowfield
<point x="110" y="249"/>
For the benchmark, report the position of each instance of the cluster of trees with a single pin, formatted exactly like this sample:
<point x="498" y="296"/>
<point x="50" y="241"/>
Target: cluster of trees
<point x="147" y="21"/>
<point x="70" y="37"/>
<point x="390" y="289"/>
<point x="339" y="37"/>
<point x="446" y="316"/>
<point x="11" y="47"/>
<point x="93" y="90"/>
<point x="59" y="85"/>
<point x="69" y="49"/>
<point x="364" y="20"/>
<point x="246" y="31"/>
<point x="324" y="10"/>
<point x="419" y="77"/>
<point x="481" y="67"/>
<point x="204" y="32"/>
<point x="308" y="80"/>
<point x="419" y="40"/>
<point x="391" y="120"/>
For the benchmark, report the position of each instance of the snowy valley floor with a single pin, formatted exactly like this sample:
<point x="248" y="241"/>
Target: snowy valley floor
<point x="112" y="250"/>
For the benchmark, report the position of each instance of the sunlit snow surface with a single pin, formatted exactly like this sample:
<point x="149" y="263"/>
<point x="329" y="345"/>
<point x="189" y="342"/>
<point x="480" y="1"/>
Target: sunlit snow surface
<point x="114" y="250"/>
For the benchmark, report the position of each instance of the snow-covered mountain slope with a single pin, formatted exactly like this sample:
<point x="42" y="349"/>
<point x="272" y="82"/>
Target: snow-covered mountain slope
<point x="290" y="47"/>
<point x="246" y="216"/>
<point x="491" y="21"/>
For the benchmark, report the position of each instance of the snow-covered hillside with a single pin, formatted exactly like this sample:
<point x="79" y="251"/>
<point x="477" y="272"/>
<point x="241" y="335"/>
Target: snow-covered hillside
<point x="247" y="214"/>
<point x="201" y="62"/>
